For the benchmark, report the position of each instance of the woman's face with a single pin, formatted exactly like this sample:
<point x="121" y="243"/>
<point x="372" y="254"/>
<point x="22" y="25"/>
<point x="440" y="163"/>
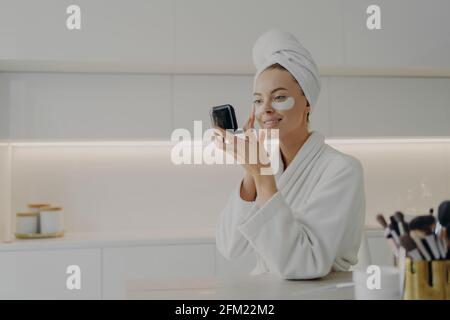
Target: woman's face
<point x="280" y="103"/>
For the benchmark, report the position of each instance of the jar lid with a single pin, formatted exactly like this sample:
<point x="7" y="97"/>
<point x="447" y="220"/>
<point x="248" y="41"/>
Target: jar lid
<point x="51" y="209"/>
<point x="26" y="214"/>
<point x="38" y="205"/>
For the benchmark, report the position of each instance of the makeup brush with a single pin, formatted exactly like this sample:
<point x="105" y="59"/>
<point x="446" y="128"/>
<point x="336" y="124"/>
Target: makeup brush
<point x="443" y="216"/>
<point x="432" y="252"/>
<point x="444" y="213"/>
<point x="423" y="223"/>
<point x="394" y="227"/>
<point x="421" y="227"/>
<point x="441" y="247"/>
<point x="444" y="234"/>
<point x="430" y="238"/>
<point x="402" y="226"/>
<point x="393" y="243"/>
<point x="410" y="247"/>
<point x="446" y="240"/>
<point x="424" y="251"/>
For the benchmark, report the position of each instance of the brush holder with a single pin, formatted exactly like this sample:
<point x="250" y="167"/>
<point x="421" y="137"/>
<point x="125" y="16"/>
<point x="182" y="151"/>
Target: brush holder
<point x="427" y="280"/>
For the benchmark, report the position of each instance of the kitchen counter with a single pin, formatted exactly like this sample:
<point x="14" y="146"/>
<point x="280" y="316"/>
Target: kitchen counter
<point x="337" y="285"/>
<point x="124" y="239"/>
<point x="112" y="239"/>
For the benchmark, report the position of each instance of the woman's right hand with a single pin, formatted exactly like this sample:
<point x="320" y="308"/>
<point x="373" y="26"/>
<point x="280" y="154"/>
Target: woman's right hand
<point x="248" y="187"/>
<point x="250" y="124"/>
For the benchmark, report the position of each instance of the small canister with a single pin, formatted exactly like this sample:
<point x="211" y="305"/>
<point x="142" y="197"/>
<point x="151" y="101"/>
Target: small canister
<point x="51" y="220"/>
<point x="38" y="207"/>
<point x="27" y="222"/>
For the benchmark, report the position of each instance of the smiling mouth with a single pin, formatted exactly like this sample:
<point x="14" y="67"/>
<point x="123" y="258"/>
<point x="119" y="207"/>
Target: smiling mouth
<point x="272" y="122"/>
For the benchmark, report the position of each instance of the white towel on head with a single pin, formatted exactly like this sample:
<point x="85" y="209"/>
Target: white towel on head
<point x="281" y="47"/>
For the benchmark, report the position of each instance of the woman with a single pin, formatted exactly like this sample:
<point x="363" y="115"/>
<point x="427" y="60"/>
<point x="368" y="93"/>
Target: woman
<point x="307" y="219"/>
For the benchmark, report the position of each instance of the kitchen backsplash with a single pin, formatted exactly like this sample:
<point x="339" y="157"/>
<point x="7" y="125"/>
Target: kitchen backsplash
<point x="122" y="188"/>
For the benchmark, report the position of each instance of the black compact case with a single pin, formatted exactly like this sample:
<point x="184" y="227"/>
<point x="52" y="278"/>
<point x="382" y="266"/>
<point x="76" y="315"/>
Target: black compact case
<point x="224" y="117"/>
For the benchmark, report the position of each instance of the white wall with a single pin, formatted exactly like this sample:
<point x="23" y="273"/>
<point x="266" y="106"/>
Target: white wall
<point x="411" y="177"/>
<point x="121" y="188"/>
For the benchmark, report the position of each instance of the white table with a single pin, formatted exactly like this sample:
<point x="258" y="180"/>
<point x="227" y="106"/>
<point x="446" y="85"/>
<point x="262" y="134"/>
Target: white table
<point x="336" y="285"/>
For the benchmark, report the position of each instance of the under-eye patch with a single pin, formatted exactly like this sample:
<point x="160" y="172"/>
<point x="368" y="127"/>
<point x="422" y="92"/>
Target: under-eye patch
<point x="288" y="103"/>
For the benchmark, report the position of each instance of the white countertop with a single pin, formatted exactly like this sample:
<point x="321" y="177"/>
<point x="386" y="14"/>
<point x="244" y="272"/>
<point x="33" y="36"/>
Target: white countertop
<point x="337" y="285"/>
<point x="113" y="239"/>
<point x="123" y="239"/>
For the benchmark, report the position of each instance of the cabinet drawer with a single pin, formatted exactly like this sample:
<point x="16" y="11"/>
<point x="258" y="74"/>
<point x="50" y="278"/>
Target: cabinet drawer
<point x="43" y="274"/>
<point x="153" y="262"/>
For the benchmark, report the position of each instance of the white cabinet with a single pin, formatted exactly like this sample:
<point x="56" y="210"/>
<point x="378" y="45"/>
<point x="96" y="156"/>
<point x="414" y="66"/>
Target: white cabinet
<point x="218" y="36"/>
<point x="194" y="96"/>
<point x="111" y="31"/>
<point x="413" y="34"/>
<point x="223" y="32"/>
<point x="88" y="106"/>
<point x="4" y="109"/>
<point x="384" y="107"/>
<point x="42" y="274"/>
<point x="107" y="270"/>
<point x="153" y="262"/>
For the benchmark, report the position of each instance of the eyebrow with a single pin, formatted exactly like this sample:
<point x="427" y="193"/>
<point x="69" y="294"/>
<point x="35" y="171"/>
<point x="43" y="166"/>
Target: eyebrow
<point x="280" y="88"/>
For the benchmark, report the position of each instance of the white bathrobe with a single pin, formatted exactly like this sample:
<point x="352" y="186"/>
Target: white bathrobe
<point x="312" y="225"/>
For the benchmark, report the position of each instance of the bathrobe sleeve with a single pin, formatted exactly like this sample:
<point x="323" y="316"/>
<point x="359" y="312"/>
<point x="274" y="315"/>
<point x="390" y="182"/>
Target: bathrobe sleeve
<point x="302" y="242"/>
<point x="229" y="240"/>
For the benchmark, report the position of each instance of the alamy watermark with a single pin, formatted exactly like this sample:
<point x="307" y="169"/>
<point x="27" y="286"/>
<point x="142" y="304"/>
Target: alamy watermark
<point x="246" y="148"/>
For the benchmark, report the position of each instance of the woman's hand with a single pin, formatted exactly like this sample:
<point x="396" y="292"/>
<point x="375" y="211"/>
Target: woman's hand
<point x="249" y="152"/>
<point x="250" y="124"/>
<point x="248" y="187"/>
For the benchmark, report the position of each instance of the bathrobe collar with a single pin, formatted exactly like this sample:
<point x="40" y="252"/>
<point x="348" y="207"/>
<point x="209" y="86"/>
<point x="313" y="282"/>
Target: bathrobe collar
<point x="311" y="149"/>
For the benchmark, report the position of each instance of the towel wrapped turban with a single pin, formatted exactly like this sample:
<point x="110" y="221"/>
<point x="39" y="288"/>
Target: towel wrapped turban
<point x="281" y="47"/>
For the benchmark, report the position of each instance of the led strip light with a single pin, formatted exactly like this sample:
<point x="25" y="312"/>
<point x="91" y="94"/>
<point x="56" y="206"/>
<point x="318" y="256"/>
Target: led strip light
<point x="162" y="143"/>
